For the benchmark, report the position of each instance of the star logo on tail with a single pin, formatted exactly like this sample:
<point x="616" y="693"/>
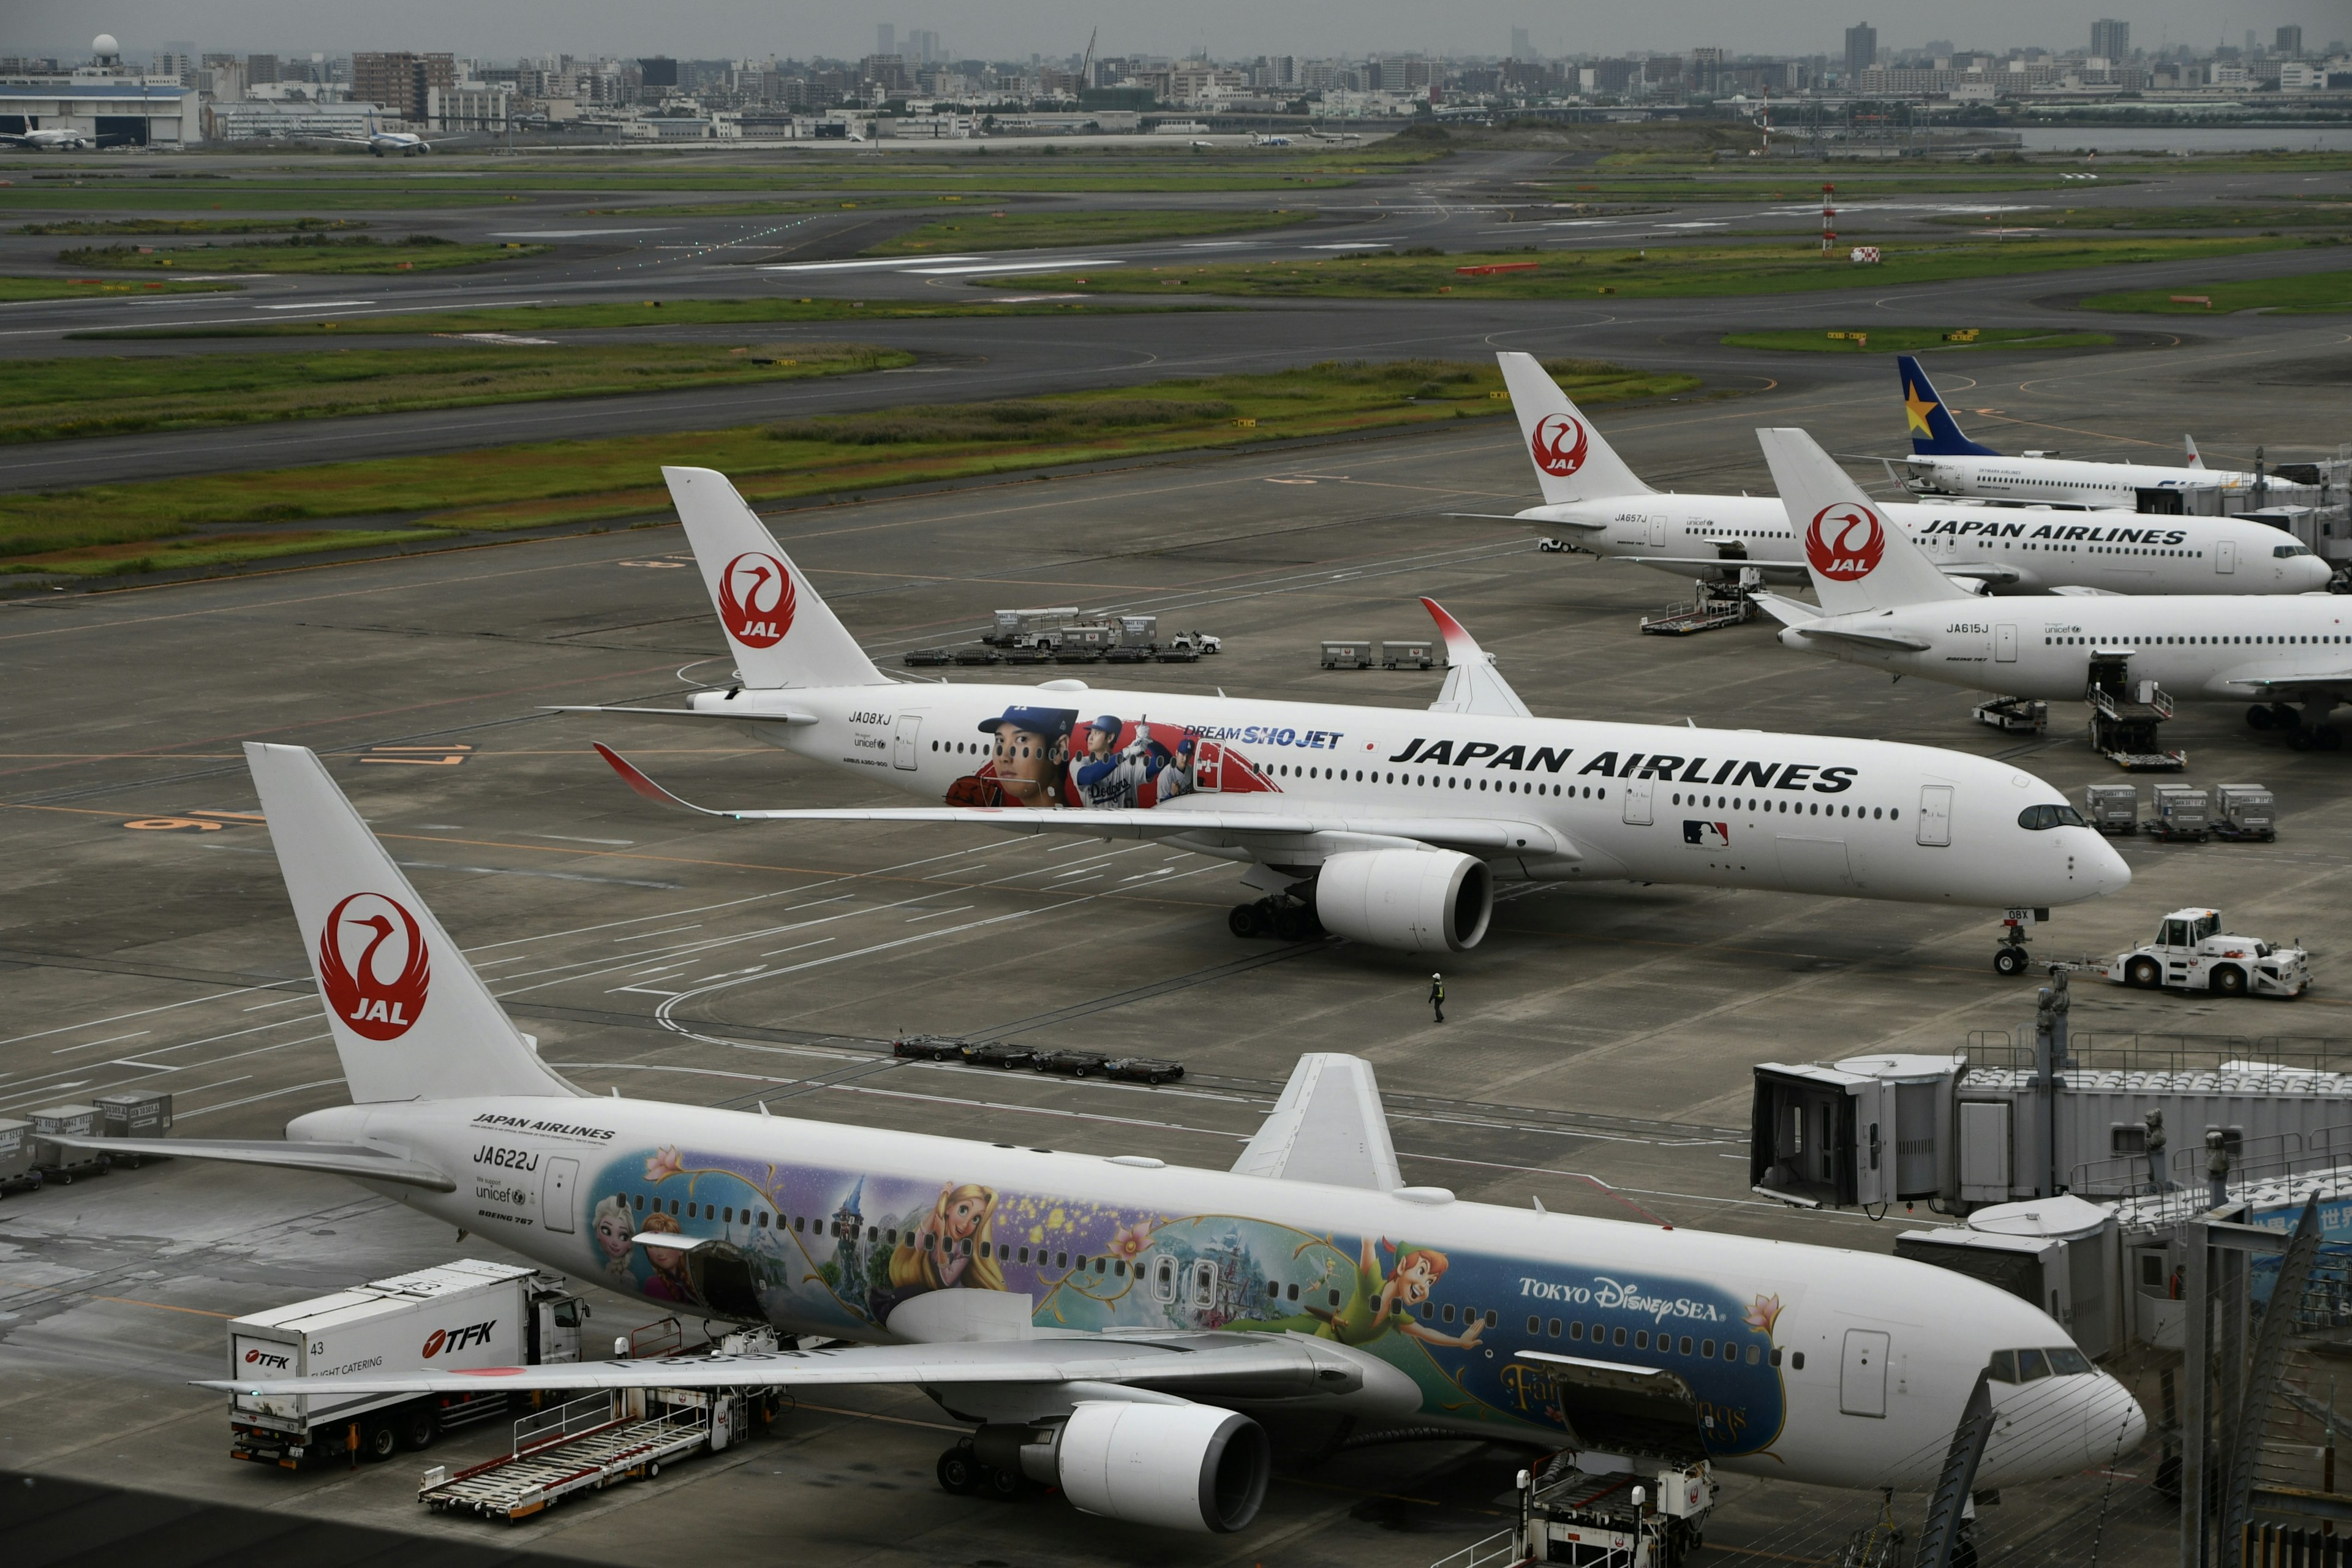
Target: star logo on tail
<point x="1916" y="408"/>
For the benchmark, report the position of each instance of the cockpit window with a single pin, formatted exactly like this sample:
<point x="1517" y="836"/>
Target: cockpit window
<point x="2036" y="818"/>
<point x="2068" y="1361"/>
<point x="2033" y="1365"/>
<point x="2004" y="1366"/>
<point x="2288" y="552"/>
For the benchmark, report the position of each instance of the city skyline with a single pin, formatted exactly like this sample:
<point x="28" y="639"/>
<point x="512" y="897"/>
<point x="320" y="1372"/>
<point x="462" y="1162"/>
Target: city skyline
<point x="734" y="29"/>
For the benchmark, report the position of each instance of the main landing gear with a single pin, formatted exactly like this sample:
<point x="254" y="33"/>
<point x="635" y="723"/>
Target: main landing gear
<point x="962" y="1472"/>
<point x="2305" y="731"/>
<point x="1284" y="919"/>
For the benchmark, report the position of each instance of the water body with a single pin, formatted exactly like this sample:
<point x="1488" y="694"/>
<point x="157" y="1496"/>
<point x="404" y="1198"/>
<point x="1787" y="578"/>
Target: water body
<point x="2185" y="138"/>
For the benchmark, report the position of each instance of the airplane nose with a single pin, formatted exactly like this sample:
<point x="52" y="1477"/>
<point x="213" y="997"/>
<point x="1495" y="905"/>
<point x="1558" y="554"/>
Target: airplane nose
<point x="2310" y="575"/>
<point x="2113" y="1421"/>
<point x="2097" y="864"/>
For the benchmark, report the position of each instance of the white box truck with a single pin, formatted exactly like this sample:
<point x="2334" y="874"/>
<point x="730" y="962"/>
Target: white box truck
<point x="460" y="1316"/>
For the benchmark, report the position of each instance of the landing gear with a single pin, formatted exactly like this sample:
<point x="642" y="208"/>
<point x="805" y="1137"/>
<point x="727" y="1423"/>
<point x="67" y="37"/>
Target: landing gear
<point x="2308" y="731"/>
<point x="2009" y="961"/>
<point x="2011" y="958"/>
<point x="960" y="1471"/>
<point x="1284" y="919"/>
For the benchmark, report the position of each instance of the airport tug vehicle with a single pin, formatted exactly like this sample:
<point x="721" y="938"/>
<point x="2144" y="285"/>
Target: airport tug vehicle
<point x="2191" y="952"/>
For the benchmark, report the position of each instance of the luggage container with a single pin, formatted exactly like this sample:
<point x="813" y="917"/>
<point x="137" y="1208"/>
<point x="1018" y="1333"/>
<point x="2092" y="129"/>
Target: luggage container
<point x="2244" y="811"/>
<point x="1413" y="654"/>
<point x="2112" y="808"/>
<point x="2182" y="814"/>
<point x="54" y="1162"/>
<point x="457" y="1317"/>
<point x="17" y="1172"/>
<point x="1012" y="625"/>
<point x="1138" y="631"/>
<point x="138" y="1114"/>
<point x="1347" y="655"/>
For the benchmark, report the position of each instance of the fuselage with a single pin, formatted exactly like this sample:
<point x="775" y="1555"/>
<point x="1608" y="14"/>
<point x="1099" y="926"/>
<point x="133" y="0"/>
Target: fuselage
<point x="2198" y="647"/>
<point x="2066" y="481"/>
<point x="2018" y="550"/>
<point x="1808" y="1363"/>
<point x="1583" y="800"/>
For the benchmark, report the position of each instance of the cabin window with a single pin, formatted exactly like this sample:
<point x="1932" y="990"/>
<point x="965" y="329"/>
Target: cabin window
<point x="763" y="1219"/>
<point x="640" y="1203"/>
<point x="1641" y="1339"/>
<point x="1576" y="1331"/>
<point x="1797" y="1360"/>
<point x="1491" y="1317"/>
<point x="1618" y="1338"/>
<point x="1294" y="1292"/>
<point x="1554" y="1327"/>
<point x="730" y="1215"/>
<point x="1706" y="1350"/>
<point x="1534" y="1325"/>
<point x="1101" y="1264"/>
<point x="983" y="1248"/>
<point x="1428" y="1310"/>
<point x="1025" y="1255"/>
<point x="673" y="1207"/>
<point x="1755" y="1353"/>
<point x="1684" y="1346"/>
<point x="1061" y="1260"/>
<point x="800" y="1222"/>
<point x="1334" y="1295"/>
<point x="1449" y="1311"/>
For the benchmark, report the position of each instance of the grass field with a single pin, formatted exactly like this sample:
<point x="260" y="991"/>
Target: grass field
<point x="60" y="398"/>
<point x="1653" y="273"/>
<point x="1711" y="186"/>
<point x="355" y="253"/>
<point x="527" y="318"/>
<point x="2313" y="293"/>
<point x="1029" y="230"/>
<point x="186" y="225"/>
<point x="1913" y="340"/>
<point x="128" y="528"/>
<point x="2218" y="215"/>
<point x="13" y="290"/>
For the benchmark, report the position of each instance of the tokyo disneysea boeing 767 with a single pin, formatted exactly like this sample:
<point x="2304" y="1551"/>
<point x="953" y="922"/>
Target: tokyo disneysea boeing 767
<point x="1115" y="1327"/>
<point x="1602" y="507"/>
<point x="1389" y="826"/>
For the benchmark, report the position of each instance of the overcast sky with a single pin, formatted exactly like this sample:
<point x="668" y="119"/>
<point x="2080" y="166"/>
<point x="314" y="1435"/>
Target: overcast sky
<point x="1226" y="28"/>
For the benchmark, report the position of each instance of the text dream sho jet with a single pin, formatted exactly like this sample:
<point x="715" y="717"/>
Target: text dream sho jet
<point x="1116" y="1327"/>
<point x="1591" y="495"/>
<point x="1389" y="826"/>
<point x="1884" y="603"/>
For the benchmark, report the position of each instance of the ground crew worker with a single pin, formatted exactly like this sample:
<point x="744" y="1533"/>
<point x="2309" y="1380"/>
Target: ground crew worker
<point x="1437" y="996"/>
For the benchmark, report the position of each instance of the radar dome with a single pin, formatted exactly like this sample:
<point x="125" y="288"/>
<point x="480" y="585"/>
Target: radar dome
<point x="104" y="44"/>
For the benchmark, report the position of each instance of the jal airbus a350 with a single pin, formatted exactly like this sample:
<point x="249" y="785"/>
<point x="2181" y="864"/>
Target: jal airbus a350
<point x="1114" y="1326"/>
<point x="1389" y="826"/>
<point x="1591" y="495"/>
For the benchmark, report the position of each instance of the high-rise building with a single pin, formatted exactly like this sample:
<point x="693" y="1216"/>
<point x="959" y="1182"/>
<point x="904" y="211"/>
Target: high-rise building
<point x="1861" y="49"/>
<point x="402" y="82"/>
<point x="657" y="72"/>
<point x="1521" y="48"/>
<point x="2290" y="41"/>
<point x="923" y="46"/>
<point x="886" y="39"/>
<point x="260" y="69"/>
<point x="2111" y="39"/>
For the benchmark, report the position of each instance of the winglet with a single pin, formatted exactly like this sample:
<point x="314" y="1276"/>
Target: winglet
<point x="637" y="781"/>
<point x="1472" y="682"/>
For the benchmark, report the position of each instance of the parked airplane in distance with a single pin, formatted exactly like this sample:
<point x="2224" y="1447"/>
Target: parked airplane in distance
<point x="1943" y="460"/>
<point x="1389" y="826"/>
<point x="1112" y="1326"/>
<point x="1592" y="492"/>
<point x="55" y="140"/>
<point x="1884" y="603"/>
<point x="1269" y="141"/>
<point x="385" y="143"/>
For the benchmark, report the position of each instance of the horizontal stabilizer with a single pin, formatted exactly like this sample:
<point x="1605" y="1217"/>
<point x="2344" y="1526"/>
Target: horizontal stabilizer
<point x="1522" y="517"/>
<point x="1326" y="1127"/>
<point x="696" y="715"/>
<point x="1770" y="571"/>
<point x="335" y="1159"/>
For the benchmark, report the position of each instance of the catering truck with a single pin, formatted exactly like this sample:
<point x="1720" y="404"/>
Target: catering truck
<point x="461" y="1315"/>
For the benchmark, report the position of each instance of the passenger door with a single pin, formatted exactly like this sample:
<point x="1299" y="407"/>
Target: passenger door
<point x="903" y="740"/>
<point x="2004" y="643"/>
<point x="1657" y="530"/>
<point x="1936" y="816"/>
<point x="1861" y="1376"/>
<point x="1637" y="801"/>
<point x="557" y="1198"/>
<point x="2225" y="555"/>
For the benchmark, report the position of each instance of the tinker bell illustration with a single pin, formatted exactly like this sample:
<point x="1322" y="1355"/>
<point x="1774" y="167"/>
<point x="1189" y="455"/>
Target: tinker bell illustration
<point x="941" y="1253"/>
<point x="1378" y="1305"/>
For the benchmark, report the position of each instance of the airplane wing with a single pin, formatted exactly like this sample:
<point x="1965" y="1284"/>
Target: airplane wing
<point x="335" y="1159"/>
<point x="2286" y="686"/>
<point x="1175" y="820"/>
<point x="1231" y="1365"/>
<point x="1472" y="683"/>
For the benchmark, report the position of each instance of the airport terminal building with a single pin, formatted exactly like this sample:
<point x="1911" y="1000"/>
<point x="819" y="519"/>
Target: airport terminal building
<point x="114" y="112"/>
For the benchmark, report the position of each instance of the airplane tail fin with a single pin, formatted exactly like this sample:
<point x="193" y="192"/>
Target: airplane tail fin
<point x="1934" y="432"/>
<point x="1859" y="561"/>
<point x="411" y="1019"/>
<point x="1572" y="462"/>
<point x="2189" y="444"/>
<point x="781" y="632"/>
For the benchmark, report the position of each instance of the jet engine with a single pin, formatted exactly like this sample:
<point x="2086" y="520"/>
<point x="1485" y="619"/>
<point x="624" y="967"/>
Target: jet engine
<point x="1180" y="1467"/>
<point x="1414" y="900"/>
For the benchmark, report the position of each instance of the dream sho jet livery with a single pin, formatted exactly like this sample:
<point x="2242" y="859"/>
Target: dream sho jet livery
<point x="1364" y="818"/>
<point x="1590" y="491"/>
<point x="1884" y="603"/>
<point x="1111" y="1326"/>
<point x="1945" y="460"/>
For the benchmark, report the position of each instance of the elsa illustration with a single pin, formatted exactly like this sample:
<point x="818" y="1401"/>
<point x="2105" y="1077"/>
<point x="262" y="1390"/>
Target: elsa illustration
<point x="613" y="1228"/>
<point x="946" y="1251"/>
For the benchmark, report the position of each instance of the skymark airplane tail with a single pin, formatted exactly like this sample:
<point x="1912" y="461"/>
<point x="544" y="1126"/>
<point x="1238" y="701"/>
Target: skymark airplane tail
<point x="1934" y="432"/>
<point x="781" y="632"/>
<point x="1572" y="462"/>
<point x="1858" y="560"/>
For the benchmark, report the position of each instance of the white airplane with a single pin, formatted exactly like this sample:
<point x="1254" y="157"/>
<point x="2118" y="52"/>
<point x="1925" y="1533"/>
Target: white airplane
<point x="1269" y="141"/>
<point x="1590" y="491"/>
<point x="1884" y="603"/>
<point x="54" y="141"/>
<point x="384" y="143"/>
<point x="1110" y="1325"/>
<point x="1945" y="460"/>
<point x="1362" y="817"/>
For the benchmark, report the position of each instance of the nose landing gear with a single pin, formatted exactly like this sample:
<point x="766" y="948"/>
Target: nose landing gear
<point x="2011" y="959"/>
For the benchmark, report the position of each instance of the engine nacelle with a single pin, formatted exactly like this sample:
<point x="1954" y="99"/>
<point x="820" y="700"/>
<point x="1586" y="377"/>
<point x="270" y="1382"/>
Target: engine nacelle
<point x="1180" y="1467"/>
<point x="1413" y="901"/>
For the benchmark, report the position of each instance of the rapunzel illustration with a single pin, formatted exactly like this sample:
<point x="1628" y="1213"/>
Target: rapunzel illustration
<point x="1378" y="1305"/>
<point x="614" y="1226"/>
<point x="952" y="1245"/>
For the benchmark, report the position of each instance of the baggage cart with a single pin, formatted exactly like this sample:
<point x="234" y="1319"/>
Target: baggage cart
<point x="17" y="1172"/>
<point x="2181" y="814"/>
<point x="1347" y="654"/>
<point x="145" y="1113"/>
<point x="2112" y="808"/>
<point x="56" y="1161"/>
<point x="2243" y="812"/>
<point x="1413" y="653"/>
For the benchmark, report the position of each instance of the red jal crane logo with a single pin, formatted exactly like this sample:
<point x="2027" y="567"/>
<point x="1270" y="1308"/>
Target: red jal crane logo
<point x="756" y="599"/>
<point x="1558" y="445"/>
<point x="366" y="935"/>
<point x="1845" y="542"/>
